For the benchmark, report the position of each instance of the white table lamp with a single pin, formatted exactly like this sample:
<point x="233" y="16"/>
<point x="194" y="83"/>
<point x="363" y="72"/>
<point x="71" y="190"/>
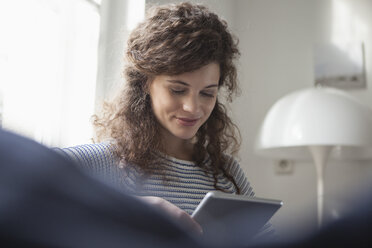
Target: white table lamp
<point x="317" y="123"/>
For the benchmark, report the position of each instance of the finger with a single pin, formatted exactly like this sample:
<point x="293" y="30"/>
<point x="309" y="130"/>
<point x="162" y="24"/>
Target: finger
<point x="190" y="223"/>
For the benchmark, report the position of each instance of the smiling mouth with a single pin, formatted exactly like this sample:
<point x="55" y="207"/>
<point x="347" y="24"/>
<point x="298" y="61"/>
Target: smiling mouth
<point x="187" y="122"/>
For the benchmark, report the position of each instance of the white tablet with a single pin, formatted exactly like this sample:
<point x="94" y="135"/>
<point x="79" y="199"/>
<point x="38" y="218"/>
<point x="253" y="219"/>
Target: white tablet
<point x="224" y="215"/>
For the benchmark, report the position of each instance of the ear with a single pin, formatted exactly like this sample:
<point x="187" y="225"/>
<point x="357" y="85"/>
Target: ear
<point x="146" y="86"/>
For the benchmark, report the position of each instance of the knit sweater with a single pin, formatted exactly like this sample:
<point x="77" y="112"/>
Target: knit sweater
<point x="185" y="183"/>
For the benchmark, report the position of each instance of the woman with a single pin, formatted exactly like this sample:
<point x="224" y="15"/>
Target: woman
<point x="171" y="139"/>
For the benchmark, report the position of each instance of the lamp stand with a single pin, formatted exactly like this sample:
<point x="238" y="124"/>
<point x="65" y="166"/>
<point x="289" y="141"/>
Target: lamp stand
<point x="320" y="156"/>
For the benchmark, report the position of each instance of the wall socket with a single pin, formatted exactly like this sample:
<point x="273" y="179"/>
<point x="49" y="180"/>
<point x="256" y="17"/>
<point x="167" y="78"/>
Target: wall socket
<point x="284" y="166"/>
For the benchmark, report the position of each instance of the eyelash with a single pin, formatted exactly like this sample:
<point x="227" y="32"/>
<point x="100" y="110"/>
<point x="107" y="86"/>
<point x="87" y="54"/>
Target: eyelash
<point x="207" y="94"/>
<point x="180" y="92"/>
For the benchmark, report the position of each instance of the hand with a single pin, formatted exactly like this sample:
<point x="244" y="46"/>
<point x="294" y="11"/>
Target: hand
<point x="174" y="212"/>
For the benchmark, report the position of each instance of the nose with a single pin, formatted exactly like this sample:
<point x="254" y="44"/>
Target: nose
<point x="191" y="104"/>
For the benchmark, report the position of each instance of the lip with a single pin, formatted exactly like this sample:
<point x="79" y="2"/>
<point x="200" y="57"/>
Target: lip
<point x="187" y="121"/>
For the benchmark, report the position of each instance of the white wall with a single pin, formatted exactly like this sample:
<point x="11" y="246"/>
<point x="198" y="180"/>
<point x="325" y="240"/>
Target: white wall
<point x="116" y="22"/>
<point x="113" y="34"/>
<point x="276" y="40"/>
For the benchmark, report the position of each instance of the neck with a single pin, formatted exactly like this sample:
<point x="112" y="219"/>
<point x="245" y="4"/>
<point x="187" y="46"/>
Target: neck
<point x="177" y="148"/>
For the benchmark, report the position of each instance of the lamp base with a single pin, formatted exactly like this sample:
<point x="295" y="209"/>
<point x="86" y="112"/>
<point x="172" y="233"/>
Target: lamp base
<point x="320" y="156"/>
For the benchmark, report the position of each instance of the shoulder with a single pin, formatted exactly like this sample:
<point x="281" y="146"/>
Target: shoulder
<point x="232" y="166"/>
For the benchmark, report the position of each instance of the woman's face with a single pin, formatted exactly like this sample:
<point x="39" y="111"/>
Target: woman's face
<point x="182" y="103"/>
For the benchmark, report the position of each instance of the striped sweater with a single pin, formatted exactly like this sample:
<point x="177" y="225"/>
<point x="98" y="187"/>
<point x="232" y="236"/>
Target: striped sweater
<point x="185" y="183"/>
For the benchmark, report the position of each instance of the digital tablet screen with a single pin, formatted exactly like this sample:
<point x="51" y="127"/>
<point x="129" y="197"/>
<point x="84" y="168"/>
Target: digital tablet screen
<point x="224" y="215"/>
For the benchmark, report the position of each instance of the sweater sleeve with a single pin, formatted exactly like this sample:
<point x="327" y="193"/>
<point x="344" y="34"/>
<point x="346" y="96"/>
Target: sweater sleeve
<point x="238" y="174"/>
<point x="99" y="161"/>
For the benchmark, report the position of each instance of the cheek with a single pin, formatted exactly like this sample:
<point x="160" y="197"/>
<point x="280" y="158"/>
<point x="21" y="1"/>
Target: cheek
<point x="163" y="104"/>
<point x="209" y="108"/>
<point x="157" y="106"/>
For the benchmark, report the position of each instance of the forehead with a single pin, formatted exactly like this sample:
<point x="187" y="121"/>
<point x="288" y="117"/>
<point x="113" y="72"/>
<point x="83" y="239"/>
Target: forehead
<point x="206" y="75"/>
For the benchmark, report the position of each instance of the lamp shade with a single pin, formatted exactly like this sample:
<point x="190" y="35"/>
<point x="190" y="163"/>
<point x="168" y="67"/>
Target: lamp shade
<point x="316" y="117"/>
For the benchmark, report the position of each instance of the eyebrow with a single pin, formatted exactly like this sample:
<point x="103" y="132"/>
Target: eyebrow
<point x="186" y="84"/>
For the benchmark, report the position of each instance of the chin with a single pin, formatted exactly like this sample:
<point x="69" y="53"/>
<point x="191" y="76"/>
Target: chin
<point x="188" y="137"/>
<point x="185" y="136"/>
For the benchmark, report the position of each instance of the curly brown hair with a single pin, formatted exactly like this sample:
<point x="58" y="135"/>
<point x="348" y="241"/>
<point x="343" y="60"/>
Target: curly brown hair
<point x="173" y="39"/>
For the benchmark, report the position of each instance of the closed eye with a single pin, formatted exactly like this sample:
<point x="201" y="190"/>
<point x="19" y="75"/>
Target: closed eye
<point x="207" y="94"/>
<point x="178" y="91"/>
